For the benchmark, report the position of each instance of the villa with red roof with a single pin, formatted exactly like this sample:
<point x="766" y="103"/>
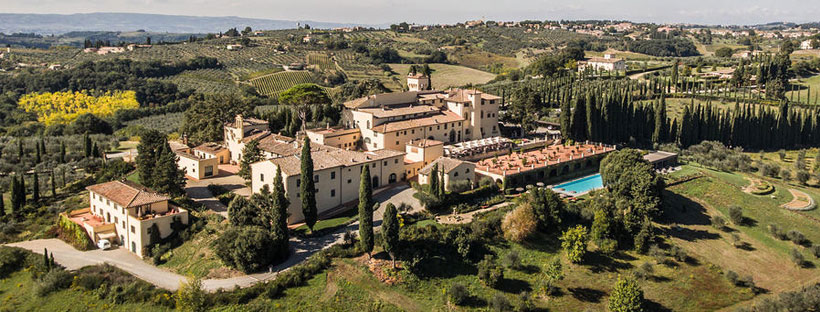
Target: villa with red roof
<point x="124" y="212"/>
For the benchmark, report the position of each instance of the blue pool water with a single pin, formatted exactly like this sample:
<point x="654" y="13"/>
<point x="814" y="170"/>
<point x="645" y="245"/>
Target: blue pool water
<point x="581" y="186"/>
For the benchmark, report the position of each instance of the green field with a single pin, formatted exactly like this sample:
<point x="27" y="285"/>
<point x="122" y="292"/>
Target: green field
<point x="447" y="76"/>
<point x="806" y="91"/>
<point x="272" y="84"/>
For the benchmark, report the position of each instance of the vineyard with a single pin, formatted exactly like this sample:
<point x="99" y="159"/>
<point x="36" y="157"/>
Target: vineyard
<point x="323" y="61"/>
<point x="65" y="107"/>
<point x="272" y="84"/>
<point x="357" y="69"/>
<point x="205" y="81"/>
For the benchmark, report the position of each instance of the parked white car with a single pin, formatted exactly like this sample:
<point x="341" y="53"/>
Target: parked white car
<point x="104" y="244"/>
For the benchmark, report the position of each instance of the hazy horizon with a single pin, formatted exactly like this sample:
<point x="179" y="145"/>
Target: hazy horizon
<point x="727" y="12"/>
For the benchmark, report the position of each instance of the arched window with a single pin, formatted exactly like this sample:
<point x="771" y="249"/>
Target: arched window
<point x="392" y="178"/>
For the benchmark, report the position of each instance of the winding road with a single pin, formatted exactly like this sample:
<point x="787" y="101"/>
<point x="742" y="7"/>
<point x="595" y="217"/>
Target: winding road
<point x="301" y="249"/>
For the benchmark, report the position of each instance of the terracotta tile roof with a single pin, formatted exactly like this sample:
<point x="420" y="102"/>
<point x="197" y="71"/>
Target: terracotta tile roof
<point x="444" y="117"/>
<point x="127" y="194"/>
<point x="186" y="154"/>
<point x="463" y="95"/>
<point x="325" y="157"/>
<point x="211" y="148"/>
<point x="445" y="164"/>
<point x="425" y="143"/>
<point x="333" y="132"/>
<point x="386" y="111"/>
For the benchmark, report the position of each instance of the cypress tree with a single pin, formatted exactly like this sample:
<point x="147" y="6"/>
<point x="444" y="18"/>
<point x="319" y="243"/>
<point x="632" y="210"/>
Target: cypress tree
<point x="37" y="154"/>
<point x="366" y="205"/>
<point x="53" y="185"/>
<point x="46" y="262"/>
<point x="87" y="145"/>
<point x="35" y="185"/>
<point x="390" y="231"/>
<point x="15" y="195"/>
<point x="578" y="127"/>
<point x="22" y="190"/>
<point x="62" y="152"/>
<point x="2" y="205"/>
<point x="308" y="188"/>
<point x="434" y="180"/>
<point x="565" y="120"/>
<point x="43" y="146"/>
<point x="20" y="150"/>
<point x="280" y="211"/>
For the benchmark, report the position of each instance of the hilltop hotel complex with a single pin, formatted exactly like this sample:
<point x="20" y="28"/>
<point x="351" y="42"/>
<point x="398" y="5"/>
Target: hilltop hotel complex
<point x="400" y="136"/>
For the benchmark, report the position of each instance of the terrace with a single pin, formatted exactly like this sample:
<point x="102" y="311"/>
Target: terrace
<point x="541" y="158"/>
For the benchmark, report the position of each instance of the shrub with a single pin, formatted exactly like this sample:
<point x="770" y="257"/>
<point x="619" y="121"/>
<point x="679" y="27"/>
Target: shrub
<point x="644" y="271"/>
<point x="458" y="294"/>
<point x="489" y="272"/>
<point x="815" y="250"/>
<point x="500" y="303"/>
<point x="802" y="176"/>
<point x="797" y="237"/>
<point x="736" y="215"/>
<point x="247" y="248"/>
<point x="732" y="277"/>
<point x="519" y="223"/>
<point x="11" y="260"/>
<point x="797" y="257"/>
<point x="678" y="253"/>
<point x="512" y="260"/>
<point x="191" y="297"/>
<point x="459" y="186"/>
<point x="776" y="231"/>
<point x="657" y="253"/>
<point x="52" y="281"/>
<point x="626" y="296"/>
<point x="574" y="242"/>
<point x="718" y="222"/>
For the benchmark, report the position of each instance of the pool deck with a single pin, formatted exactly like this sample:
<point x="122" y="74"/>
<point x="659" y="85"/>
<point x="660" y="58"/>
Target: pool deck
<point x="570" y="194"/>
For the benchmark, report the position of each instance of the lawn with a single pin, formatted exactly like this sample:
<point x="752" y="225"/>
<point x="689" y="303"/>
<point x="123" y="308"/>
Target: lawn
<point x="446" y="76"/>
<point x="808" y="92"/>
<point x="17" y="294"/>
<point x="330" y="223"/>
<point x="134" y="177"/>
<point x="767" y="259"/>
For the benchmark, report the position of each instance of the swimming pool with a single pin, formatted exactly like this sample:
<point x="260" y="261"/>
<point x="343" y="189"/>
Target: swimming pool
<point x="580" y="186"/>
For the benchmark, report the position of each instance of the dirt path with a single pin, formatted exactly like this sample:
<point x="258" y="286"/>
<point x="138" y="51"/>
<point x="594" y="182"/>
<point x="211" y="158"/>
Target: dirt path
<point x="800" y="202"/>
<point x="468" y="216"/>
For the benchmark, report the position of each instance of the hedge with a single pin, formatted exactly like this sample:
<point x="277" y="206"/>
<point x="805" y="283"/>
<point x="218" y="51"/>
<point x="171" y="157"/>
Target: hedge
<point x="74" y="233"/>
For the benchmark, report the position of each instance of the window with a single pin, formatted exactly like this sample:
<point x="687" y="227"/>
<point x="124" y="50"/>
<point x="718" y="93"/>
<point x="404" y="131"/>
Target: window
<point x="397" y="142"/>
<point x="333" y="175"/>
<point x="298" y="182"/>
<point x="349" y="181"/>
<point x="385" y="163"/>
<point x="133" y="230"/>
<point x="108" y="202"/>
<point x="332" y="193"/>
<point x="445" y="126"/>
<point x="467" y="170"/>
<point x="262" y="177"/>
<point x="297" y="194"/>
<point x="396" y="161"/>
<point x="455" y="174"/>
<point x="316" y="178"/>
<point x="123" y="224"/>
<point x="116" y="220"/>
<point x="374" y="165"/>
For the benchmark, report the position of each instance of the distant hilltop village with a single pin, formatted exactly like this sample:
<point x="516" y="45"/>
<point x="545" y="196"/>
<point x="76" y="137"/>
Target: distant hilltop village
<point x="633" y="30"/>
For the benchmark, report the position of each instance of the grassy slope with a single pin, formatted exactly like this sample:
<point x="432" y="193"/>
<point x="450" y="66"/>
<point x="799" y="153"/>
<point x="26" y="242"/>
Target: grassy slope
<point x="17" y="294"/>
<point x="195" y="257"/>
<point x="445" y="75"/>
<point x="768" y="259"/>
<point x="813" y="83"/>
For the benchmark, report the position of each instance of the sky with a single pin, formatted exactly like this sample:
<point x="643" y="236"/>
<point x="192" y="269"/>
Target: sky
<point x="723" y="12"/>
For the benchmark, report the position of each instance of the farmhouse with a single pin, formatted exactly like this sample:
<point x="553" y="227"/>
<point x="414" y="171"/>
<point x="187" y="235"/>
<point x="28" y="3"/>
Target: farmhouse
<point x="336" y="174"/>
<point x="196" y="167"/>
<point x="126" y="213"/>
<point x="806" y="45"/>
<point x="339" y="137"/>
<point x="420" y="153"/>
<point x="550" y="163"/>
<point x="607" y="63"/>
<point x="237" y="131"/>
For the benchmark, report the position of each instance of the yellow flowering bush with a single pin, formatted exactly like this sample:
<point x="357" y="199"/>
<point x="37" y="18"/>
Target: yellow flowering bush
<point x="64" y="107"/>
